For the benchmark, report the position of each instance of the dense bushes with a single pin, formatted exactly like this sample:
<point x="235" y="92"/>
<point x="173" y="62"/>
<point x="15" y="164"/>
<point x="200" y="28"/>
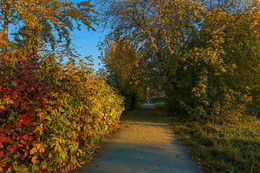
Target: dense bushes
<point x="51" y="114"/>
<point x="217" y="74"/>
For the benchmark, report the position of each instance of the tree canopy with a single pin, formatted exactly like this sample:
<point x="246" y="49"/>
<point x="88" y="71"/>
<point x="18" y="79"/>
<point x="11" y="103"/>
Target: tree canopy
<point x="125" y="71"/>
<point x="204" y="53"/>
<point x="44" y="24"/>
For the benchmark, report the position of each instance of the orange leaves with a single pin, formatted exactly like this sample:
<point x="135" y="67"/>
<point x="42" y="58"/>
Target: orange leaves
<point x="34" y="159"/>
<point x="35" y="143"/>
<point x="26" y="153"/>
<point x="25" y="137"/>
<point x="37" y="147"/>
<point x="33" y="150"/>
<point x="39" y="17"/>
<point x="18" y="128"/>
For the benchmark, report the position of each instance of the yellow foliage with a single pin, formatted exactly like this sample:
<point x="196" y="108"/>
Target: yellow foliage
<point x="34" y="159"/>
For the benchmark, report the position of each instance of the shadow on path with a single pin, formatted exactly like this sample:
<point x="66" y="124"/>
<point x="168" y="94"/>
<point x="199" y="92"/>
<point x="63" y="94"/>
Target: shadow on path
<point x="144" y="144"/>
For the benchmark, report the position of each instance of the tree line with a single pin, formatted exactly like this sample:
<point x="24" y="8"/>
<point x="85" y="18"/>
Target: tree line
<point x="203" y="54"/>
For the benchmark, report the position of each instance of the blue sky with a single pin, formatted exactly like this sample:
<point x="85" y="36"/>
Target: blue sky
<point x="85" y="42"/>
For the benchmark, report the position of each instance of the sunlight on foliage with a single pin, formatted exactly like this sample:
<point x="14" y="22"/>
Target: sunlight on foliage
<point x="52" y="114"/>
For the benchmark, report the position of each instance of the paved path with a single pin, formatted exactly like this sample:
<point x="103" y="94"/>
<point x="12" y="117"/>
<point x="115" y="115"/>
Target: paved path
<point x="144" y="144"/>
<point x="148" y="105"/>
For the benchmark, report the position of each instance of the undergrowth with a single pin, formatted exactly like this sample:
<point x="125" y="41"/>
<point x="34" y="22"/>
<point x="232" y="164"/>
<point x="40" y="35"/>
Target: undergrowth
<point x="222" y="147"/>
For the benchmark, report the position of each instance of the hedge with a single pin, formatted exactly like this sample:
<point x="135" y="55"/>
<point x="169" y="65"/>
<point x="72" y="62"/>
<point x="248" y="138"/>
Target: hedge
<point x="52" y="114"/>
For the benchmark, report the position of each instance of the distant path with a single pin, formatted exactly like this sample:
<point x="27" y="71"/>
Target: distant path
<point x="144" y="144"/>
<point x="148" y="105"/>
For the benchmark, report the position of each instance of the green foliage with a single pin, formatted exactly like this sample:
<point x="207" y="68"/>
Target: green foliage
<point x="161" y="106"/>
<point x="218" y="74"/>
<point x="204" y="55"/>
<point x="254" y="108"/>
<point x="159" y="99"/>
<point x="160" y="103"/>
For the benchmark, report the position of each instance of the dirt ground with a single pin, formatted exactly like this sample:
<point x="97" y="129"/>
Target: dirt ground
<point x="144" y="143"/>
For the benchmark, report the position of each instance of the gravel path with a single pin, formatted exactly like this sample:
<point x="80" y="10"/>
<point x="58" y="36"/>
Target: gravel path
<point x="143" y="144"/>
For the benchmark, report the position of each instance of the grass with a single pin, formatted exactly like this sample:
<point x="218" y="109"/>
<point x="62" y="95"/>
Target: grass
<point x="254" y="108"/>
<point x="160" y="103"/>
<point x="158" y="99"/>
<point x="222" y="147"/>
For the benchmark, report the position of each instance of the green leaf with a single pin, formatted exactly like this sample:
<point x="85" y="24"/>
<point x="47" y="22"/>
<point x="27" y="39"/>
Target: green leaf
<point x="47" y="117"/>
<point x="61" y="109"/>
<point x="44" y="164"/>
<point x="14" y="83"/>
<point x="34" y="168"/>
<point x="73" y="160"/>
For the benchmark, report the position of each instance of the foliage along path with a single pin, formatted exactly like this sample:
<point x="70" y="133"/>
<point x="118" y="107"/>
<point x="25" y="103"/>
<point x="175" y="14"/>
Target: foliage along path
<point x="144" y="143"/>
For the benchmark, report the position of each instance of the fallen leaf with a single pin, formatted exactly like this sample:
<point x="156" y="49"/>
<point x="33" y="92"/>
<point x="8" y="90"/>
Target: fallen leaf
<point x="140" y="158"/>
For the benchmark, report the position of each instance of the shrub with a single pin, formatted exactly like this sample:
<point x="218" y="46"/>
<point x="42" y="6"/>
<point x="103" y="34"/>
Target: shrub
<point x="52" y="114"/>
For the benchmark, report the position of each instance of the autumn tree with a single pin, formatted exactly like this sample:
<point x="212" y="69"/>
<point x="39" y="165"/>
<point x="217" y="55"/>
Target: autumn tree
<point x="125" y="71"/>
<point x="163" y="26"/>
<point x="42" y="23"/>
<point x="199" y="50"/>
<point x="223" y="49"/>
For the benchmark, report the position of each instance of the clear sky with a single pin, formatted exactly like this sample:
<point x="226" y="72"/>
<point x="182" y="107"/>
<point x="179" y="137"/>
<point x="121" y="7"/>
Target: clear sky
<point x="85" y="43"/>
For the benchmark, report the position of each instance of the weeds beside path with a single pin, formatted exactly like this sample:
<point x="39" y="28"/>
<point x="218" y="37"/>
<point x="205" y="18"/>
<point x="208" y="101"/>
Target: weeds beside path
<point x="144" y="143"/>
<point x="226" y="147"/>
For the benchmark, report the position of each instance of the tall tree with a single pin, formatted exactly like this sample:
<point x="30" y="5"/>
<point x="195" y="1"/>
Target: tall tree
<point x="164" y="26"/>
<point x="125" y="71"/>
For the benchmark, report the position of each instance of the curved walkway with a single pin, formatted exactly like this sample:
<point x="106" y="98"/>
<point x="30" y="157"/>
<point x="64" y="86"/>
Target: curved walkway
<point x="144" y="144"/>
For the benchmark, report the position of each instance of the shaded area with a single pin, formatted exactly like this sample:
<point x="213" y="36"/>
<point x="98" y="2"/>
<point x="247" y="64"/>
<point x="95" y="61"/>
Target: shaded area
<point x="144" y="144"/>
